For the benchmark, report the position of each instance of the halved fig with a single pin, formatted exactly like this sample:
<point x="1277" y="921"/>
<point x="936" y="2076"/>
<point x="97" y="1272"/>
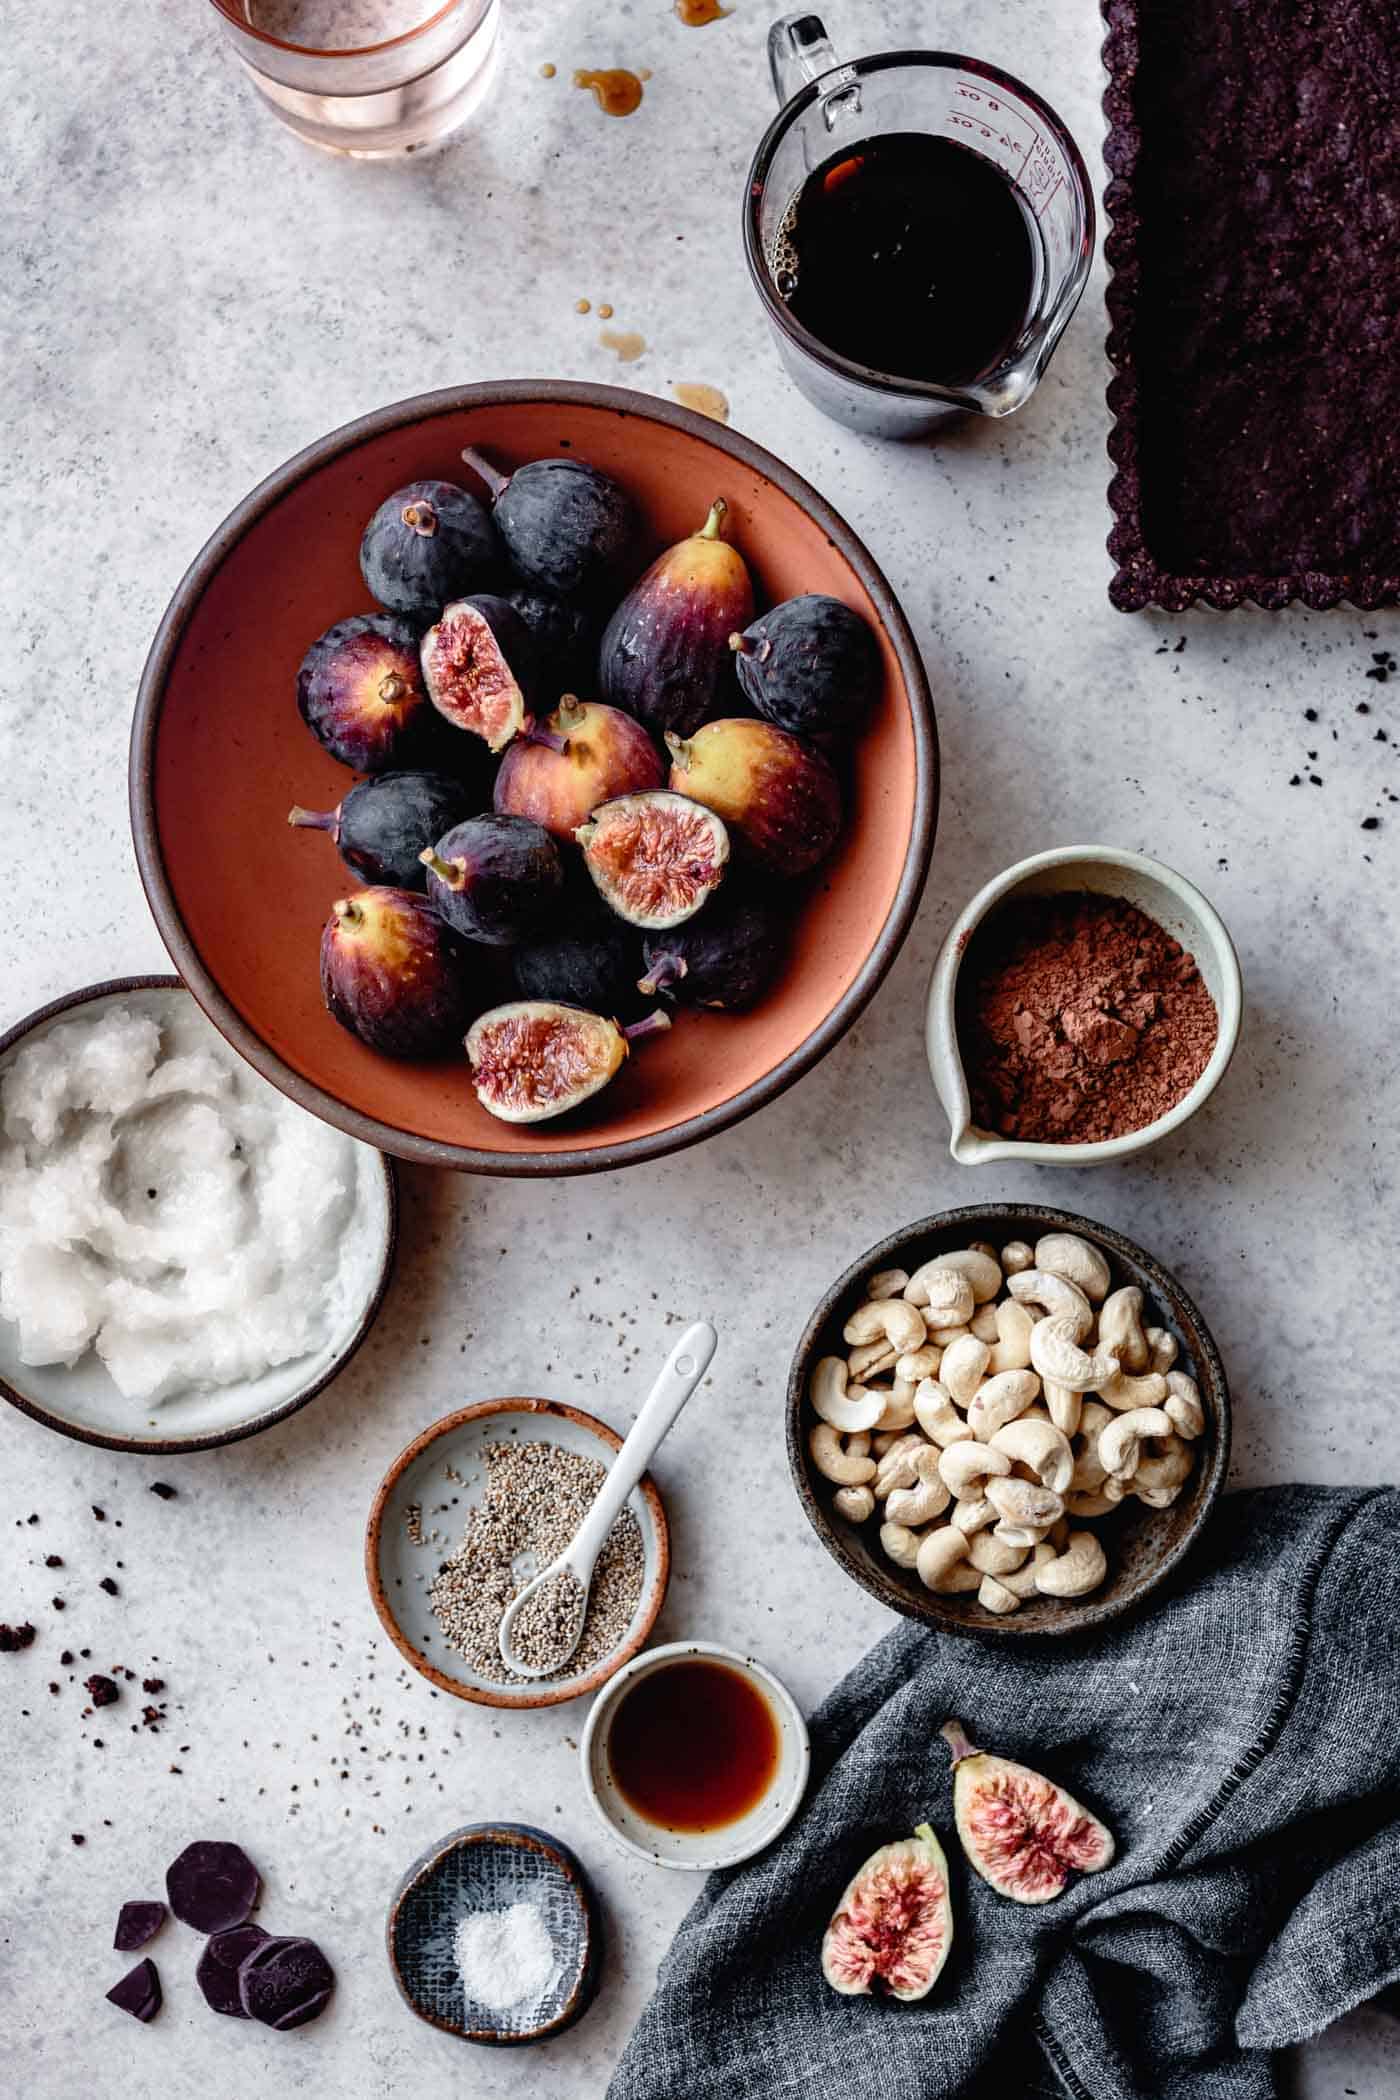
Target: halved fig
<point x="894" y="1925"/>
<point x="655" y="857"/>
<point x="533" y="1058"/>
<point x="477" y="665"/>
<point x="1022" y="1833"/>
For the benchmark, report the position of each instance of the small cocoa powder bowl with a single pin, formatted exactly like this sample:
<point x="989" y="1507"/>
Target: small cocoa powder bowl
<point x="1144" y="1546"/>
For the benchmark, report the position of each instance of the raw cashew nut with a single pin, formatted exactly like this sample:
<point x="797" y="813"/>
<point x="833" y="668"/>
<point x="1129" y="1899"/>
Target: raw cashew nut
<point x="1057" y="1297"/>
<point x="1066" y="1409"/>
<point x="1040" y="1446"/>
<point x="1121" y="1329"/>
<point x="881" y="1443"/>
<point x="897" y="1468"/>
<point x="983" y="1247"/>
<point x="946" y="1298"/>
<point x="1024" y="1503"/>
<point x="1022" y="1536"/>
<point x="1162" y="1349"/>
<point x="1166" y="1468"/>
<point x="964" y="1363"/>
<point x="972" y="1513"/>
<point x="1183" y="1405"/>
<point x="1011" y="1351"/>
<point x="1125" y="1392"/>
<point x="984" y="1325"/>
<point x="924" y="1501"/>
<point x="1089" y="1469"/>
<point x="886" y="1283"/>
<point x="1158" y="1498"/>
<point x="901" y="1324"/>
<point x="1076" y="1571"/>
<point x="919" y="1363"/>
<point x="1021" y="1581"/>
<point x="943" y="1564"/>
<point x="966" y="1467"/>
<point x="936" y="1414"/>
<point x="981" y="1271"/>
<point x="1120" y="1445"/>
<point x="995" y="1596"/>
<point x="1066" y="1254"/>
<point x="1015" y="1256"/>
<point x="899" y="1544"/>
<point x="871" y="1360"/>
<point x="844" y="1406"/>
<point x="855" y="1504"/>
<point x="992" y="1557"/>
<point x="1057" y="1356"/>
<point x="899" y="1406"/>
<point x="999" y="1400"/>
<point x="1089" y="1502"/>
<point x="833" y="1461"/>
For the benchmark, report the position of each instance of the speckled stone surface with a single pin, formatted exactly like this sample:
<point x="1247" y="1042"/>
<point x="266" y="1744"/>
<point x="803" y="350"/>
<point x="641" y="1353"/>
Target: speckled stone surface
<point x="187" y="297"/>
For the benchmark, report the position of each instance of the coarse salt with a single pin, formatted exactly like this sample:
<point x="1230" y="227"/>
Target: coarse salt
<point x="506" y="1957"/>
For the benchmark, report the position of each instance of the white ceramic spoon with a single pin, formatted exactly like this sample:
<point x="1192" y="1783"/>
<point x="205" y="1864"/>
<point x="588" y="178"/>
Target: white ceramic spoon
<point x="680" y="1374"/>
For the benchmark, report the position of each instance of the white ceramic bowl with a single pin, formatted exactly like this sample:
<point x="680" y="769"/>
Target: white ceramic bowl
<point x="441" y="1475"/>
<point x="84" y="1401"/>
<point x="1163" y="895"/>
<point x="697" y="1852"/>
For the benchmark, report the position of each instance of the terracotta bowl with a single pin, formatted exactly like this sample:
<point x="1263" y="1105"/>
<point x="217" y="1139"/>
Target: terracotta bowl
<point x="219" y="754"/>
<point x="1143" y="1545"/>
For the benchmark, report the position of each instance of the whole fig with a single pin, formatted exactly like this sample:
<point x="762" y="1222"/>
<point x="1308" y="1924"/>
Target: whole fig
<point x="361" y="694"/>
<point x="778" y="796"/>
<point x="497" y="880"/>
<point x="565" y="637"/>
<point x="594" y="967"/>
<point x="582" y="755"/>
<point x="726" y="958"/>
<point x="665" y="654"/>
<point x="893" y="1927"/>
<point x="382" y="825"/>
<point x="567" y="527"/>
<point x="395" y="974"/>
<point x="811" y="665"/>
<point x="426" y="543"/>
<point x="1022" y="1833"/>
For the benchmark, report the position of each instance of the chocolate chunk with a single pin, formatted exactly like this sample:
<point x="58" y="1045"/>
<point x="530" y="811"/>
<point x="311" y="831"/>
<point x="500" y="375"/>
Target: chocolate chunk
<point x="138" y="1993"/>
<point x="136" y="1923"/>
<point x="13" y="1638"/>
<point x="102" y="1692"/>
<point x="100" y="1514"/>
<point x="53" y="1560"/>
<point x="163" y="1489"/>
<point x="217" y="1974"/>
<point x="212" y="1885"/>
<point x="285" y="1983"/>
<point x="108" y="1585"/>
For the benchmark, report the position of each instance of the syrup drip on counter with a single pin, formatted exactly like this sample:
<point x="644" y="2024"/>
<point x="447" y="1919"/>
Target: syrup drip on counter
<point x="616" y="91"/>
<point x="625" y="341"/>
<point x="705" y="400"/>
<point x="696" y="13"/>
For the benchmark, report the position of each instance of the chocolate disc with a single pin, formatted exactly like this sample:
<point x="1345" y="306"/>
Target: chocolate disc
<point x="285" y="1983"/>
<point x="138" y="1993"/>
<point x="212" y="1885"/>
<point x="217" y="1974"/>
<point x="137" y="1923"/>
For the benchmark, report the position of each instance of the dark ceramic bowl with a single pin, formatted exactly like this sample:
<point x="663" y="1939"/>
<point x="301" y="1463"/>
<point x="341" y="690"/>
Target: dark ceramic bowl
<point x="219" y="754"/>
<point x="489" y="1866"/>
<point x="83" y="1401"/>
<point x="1143" y="1545"/>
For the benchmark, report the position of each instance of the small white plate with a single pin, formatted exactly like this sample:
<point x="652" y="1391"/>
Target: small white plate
<point x="84" y="1401"/>
<point x="442" y="1476"/>
<point x="698" y="1851"/>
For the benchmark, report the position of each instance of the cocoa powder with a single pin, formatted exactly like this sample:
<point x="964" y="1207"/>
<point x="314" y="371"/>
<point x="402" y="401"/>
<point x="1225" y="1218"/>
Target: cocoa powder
<point x="1079" y="1019"/>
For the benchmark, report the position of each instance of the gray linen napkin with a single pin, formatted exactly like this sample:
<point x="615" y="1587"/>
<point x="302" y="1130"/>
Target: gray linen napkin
<point x="1241" y="1738"/>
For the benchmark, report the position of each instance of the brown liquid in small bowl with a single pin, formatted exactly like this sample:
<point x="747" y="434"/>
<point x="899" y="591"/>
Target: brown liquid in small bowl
<point x="694" y="1746"/>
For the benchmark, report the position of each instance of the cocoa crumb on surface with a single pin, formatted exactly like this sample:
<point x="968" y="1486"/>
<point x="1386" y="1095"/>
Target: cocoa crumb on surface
<point x="163" y="1488"/>
<point x="1079" y="1019"/>
<point x="13" y="1638"/>
<point x="53" y="1560"/>
<point x="108" y="1584"/>
<point x="101" y="1690"/>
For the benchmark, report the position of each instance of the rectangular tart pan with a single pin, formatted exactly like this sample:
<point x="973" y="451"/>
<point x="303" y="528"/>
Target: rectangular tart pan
<point x="1253" y="157"/>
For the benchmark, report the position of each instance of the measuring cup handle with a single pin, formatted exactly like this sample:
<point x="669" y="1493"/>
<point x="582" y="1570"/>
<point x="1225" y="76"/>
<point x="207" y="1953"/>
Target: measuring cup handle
<point x="799" y="51"/>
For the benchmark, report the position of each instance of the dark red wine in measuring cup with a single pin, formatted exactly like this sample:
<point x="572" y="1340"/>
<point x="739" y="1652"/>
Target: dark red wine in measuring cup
<point x="911" y="255"/>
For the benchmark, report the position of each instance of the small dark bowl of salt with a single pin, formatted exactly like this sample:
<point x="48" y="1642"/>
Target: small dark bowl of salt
<point x="494" y="1936"/>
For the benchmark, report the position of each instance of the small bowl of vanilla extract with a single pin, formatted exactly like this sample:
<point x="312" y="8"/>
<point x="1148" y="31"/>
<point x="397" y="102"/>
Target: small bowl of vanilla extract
<point x="695" y="1757"/>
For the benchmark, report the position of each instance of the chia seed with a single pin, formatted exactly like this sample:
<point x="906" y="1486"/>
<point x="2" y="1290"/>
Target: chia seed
<point x="545" y="1626"/>
<point x="536" y="1497"/>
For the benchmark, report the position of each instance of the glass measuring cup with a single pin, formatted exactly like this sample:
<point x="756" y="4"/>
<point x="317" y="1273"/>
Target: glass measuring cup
<point x="826" y="106"/>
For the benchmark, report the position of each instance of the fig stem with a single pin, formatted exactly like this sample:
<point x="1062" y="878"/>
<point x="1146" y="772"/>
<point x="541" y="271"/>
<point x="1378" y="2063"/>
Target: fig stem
<point x="667" y="969"/>
<point x="392" y="688"/>
<point x="713" y="527"/>
<point x="497" y="482"/>
<point x="741" y="645"/>
<point x="654" y="1024"/>
<point x="924" y="1831"/>
<point x="679" y="749"/>
<point x="313" y="819"/>
<point x="347" y="910"/>
<point x="959" y="1745"/>
<point x="568" y="714"/>
<point x="451" y="872"/>
<point x="420" y="517"/>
